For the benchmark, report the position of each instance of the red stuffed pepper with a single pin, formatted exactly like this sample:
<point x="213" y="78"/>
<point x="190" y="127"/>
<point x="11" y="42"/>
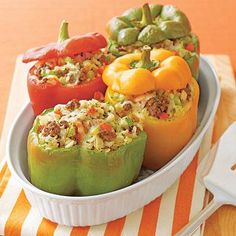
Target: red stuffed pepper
<point x="67" y="69"/>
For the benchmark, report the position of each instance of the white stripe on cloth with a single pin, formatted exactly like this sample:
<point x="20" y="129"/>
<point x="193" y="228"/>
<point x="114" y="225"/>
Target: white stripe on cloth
<point x="97" y="230"/>
<point x="62" y="230"/>
<point x="132" y="223"/>
<point x="7" y="201"/>
<point x="197" y="232"/>
<point x="199" y="188"/>
<point x="166" y="211"/>
<point x="31" y="223"/>
<point x="2" y="163"/>
<point x="206" y="143"/>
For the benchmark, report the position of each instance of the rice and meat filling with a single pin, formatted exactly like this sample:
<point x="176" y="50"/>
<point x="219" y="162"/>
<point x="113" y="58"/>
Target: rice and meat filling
<point x="91" y="124"/>
<point x="161" y="104"/>
<point x="72" y="71"/>
<point x="164" y="104"/>
<point x="179" y="46"/>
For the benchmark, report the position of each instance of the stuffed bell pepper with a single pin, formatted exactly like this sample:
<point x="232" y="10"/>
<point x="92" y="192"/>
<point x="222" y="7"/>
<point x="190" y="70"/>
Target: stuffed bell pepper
<point x="86" y="148"/>
<point x="162" y="85"/>
<point x="159" y="26"/>
<point x="67" y="69"/>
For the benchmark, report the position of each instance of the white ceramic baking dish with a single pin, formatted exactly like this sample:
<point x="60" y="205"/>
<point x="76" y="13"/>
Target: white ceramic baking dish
<point x="93" y="210"/>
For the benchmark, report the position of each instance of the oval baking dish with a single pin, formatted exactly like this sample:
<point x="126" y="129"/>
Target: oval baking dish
<point x="93" y="210"/>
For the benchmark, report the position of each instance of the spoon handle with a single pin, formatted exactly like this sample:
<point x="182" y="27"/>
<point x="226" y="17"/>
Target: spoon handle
<point x="196" y="221"/>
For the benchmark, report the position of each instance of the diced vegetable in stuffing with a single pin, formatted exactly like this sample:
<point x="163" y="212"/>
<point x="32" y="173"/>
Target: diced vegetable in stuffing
<point x="91" y="124"/>
<point x="73" y="71"/>
<point x="159" y="104"/>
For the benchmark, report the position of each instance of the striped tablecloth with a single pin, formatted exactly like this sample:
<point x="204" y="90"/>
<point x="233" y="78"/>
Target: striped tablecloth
<point x="164" y="216"/>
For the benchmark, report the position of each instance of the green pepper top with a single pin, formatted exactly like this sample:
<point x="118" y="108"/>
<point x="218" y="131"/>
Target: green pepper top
<point x="149" y="24"/>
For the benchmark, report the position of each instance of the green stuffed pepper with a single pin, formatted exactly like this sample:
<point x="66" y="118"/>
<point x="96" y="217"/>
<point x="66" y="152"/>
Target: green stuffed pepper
<point x="86" y="148"/>
<point x="157" y="26"/>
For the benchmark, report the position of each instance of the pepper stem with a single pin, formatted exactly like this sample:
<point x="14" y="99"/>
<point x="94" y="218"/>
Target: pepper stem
<point x="145" y="61"/>
<point x="147" y="16"/>
<point x="63" y="32"/>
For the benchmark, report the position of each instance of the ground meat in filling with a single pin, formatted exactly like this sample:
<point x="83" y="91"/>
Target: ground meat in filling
<point x="64" y="124"/>
<point x="72" y="105"/>
<point x="91" y="124"/>
<point x="156" y="106"/>
<point x="176" y="45"/>
<point x="166" y="104"/>
<point x="52" y="129"/>
<point x="125" y="109"/>
<point x="188" y="91"/>
<point x="72" y="71"/>
<point x="160" y="104"/>
<point x="107" y="135"/>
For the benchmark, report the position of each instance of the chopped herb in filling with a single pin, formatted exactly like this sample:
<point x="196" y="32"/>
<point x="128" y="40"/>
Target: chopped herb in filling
<point x="72" y="71"/>
<point x="91" y="124"/>
<point x="160" y="104"/>
<point x="180" y="46"/>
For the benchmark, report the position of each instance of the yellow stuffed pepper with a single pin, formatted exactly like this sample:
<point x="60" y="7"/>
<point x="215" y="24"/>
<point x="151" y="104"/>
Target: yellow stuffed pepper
<point x="162" y="84"/>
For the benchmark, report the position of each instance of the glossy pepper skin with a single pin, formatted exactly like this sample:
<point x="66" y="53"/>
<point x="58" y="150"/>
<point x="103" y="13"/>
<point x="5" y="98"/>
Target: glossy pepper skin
<point x="165" y="22"/>
<point x="65" y="46"/>
<point x="121" y="78"/>
<point x="166" y="137"/>
<point x="194" y="62"/>
<point x="151" y="25"/>
<point x="77" y="171"/>
<point x="47" y="95"/>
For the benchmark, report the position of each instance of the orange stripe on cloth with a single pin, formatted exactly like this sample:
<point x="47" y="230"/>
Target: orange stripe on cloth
<point x="80" y="231"/>
<point x="17" y="217"/>
<point x="114" y="228"/>
<point x="5" y="175"/>
<point x="149" y="218"/>
<point x="3" y="171"/>
<point x="184" y="196"/>
<point x="46" y="228"/>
